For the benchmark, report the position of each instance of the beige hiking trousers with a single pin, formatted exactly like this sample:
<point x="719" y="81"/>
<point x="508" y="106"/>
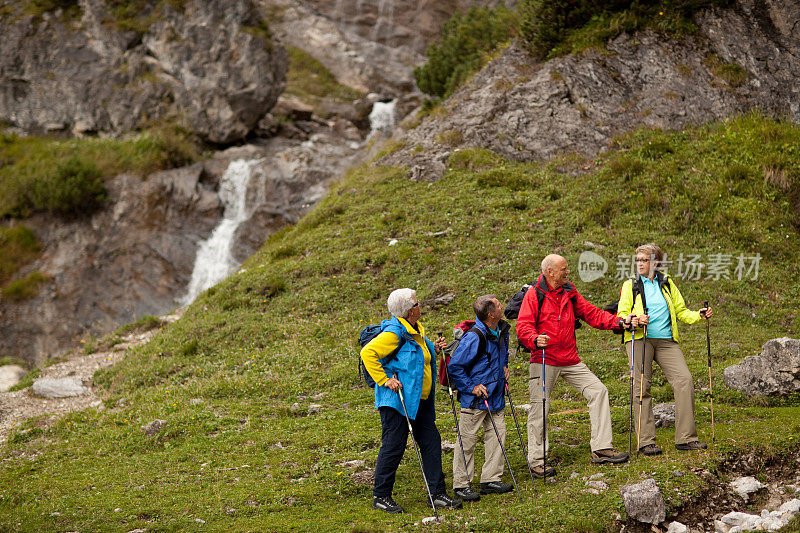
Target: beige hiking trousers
<point x="667" y="353"/>
<point x="470" y="423"/>
<point x="582" y="380"/>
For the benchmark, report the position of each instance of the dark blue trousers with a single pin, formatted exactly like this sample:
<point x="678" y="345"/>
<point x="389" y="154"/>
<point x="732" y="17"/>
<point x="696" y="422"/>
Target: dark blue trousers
<point x="394" y="436"/>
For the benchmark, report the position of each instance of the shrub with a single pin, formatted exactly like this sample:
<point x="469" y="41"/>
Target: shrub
<point x="544" y="24"/>
<point x="466" y="40"/>
<point x="75" y="187"/>
<point x="18" y="247"/>
<point x="25" y="288"/>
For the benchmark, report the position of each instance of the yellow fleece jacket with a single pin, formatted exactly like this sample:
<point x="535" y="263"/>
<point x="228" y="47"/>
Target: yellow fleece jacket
<point x="384" y="343"/>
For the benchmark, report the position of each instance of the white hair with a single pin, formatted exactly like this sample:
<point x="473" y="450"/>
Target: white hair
<point x="401" y="301"/>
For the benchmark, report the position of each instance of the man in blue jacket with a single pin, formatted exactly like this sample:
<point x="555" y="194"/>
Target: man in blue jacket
<point x="479" y="370"/>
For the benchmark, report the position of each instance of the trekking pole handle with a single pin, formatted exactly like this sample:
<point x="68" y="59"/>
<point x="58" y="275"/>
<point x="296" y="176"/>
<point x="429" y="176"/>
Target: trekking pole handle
<point x="705" y="304"/>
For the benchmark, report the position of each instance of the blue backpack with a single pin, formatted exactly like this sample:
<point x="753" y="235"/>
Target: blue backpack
<point x="367" y="334"/>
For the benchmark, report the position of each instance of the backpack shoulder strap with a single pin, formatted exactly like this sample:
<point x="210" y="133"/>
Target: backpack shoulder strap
<point x="639" y="289"/>
<point x="481" y="341"/>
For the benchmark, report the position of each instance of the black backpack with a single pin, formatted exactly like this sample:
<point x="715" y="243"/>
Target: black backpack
<point x="637" y="288"/>
<point x="367" y="334"/>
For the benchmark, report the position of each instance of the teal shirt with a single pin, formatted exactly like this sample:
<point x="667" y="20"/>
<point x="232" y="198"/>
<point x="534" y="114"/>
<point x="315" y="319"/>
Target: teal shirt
<point x="660" y="326"/>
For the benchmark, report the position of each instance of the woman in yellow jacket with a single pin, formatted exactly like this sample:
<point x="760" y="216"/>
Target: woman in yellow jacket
<point x="665" y="306"/>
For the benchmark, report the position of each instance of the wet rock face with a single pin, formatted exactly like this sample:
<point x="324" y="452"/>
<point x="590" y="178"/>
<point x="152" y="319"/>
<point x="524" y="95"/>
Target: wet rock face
<point x="205" y="67"/>
<point x="776" y="371"/>
<point x="136" y="257"/>
<point x="526" y="110"/>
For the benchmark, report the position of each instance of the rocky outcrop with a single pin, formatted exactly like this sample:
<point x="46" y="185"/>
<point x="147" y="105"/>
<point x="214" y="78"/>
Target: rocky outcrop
<point x="212" y="67"/>
<point x="369" y="45"/>
<point x="526" y="110"/>
<point x="776" y="371"/>
<point x="136" y="257"/>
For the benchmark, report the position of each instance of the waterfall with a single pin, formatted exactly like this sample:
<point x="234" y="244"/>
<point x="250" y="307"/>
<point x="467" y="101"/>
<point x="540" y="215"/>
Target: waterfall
<point x="382" y="116"/>
<point x="215" y="261"/>
<point x="385" y="17"/>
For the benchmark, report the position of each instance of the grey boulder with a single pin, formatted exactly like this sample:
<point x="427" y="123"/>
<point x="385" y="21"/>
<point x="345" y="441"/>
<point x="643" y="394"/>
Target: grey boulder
<point x="644" y="502"/>
<point x="775" y="372"/>
<point x="58" y="387"/>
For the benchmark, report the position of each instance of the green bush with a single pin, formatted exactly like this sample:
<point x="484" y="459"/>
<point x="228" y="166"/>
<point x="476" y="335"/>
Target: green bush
<point x="466" y="40"/>
<point x="66" y="176"/>
<point x="544" y="24"/>
<point x="25" y="288"/>
<point x="75" y="187"/>
<point x="18" y="246"/>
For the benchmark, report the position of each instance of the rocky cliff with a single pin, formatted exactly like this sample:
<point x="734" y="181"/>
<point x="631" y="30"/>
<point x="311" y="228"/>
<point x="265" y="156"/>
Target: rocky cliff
<point x="743" y="58"/>
<point x="212" y="67"/>
<point x="369" y="45"/>
<point x="136" y="258"/>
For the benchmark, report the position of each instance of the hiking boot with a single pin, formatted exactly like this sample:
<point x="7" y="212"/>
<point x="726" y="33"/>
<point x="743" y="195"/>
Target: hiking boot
<point x="466" y="494"/>
<point x="541" y="473"/>
<point x="650" y="449"/>
<point x="443" y="501"/>
<point x="496" y="487"/>
<point x="386" y="504"/>
<point x="694" y="445"/>
<point x="608" y="455"/>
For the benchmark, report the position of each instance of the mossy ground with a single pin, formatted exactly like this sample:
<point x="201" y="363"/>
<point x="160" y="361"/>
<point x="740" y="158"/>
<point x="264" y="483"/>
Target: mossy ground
<point x="284" y="330"/>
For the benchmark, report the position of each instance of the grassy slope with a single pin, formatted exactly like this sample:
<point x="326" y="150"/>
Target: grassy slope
<point x="284" y="330"/>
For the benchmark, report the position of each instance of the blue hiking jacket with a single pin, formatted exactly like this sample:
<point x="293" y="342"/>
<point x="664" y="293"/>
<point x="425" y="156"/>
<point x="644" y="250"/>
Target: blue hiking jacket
<point x="468" y="368"/>
<point x="410" y="367"/>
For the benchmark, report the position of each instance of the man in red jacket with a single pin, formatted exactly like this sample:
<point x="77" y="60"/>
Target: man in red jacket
<point x="550" y="327"/>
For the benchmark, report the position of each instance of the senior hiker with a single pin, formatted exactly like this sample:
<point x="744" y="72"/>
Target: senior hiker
<point x="479" y="370"/>
<point x="655" y="291"/>
<point x="548" y="330"/>
<point x="414" y="367"/>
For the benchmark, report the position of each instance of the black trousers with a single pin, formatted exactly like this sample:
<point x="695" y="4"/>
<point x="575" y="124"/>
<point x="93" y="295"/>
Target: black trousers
<point x="394" y="436"/>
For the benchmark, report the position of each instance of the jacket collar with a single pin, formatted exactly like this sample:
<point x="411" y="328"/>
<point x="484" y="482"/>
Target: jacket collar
<point x="543" y="286"/>
<point x="503" y="328"/>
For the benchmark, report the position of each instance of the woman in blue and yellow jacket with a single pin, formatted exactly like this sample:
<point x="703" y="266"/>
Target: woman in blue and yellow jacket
<point x="665" y="306"/>
<point x="410" y="372"/>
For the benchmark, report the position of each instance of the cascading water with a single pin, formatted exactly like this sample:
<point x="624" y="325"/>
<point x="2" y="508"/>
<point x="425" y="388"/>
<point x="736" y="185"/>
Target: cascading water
<point x="381" y="117"/>
<point x="215" y="261"/>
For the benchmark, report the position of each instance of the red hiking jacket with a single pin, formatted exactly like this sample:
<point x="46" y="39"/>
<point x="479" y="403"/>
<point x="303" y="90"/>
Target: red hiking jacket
<point x="558" y="322"/>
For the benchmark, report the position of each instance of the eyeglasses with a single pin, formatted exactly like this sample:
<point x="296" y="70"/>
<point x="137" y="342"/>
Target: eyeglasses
<point x="415" y="305"/>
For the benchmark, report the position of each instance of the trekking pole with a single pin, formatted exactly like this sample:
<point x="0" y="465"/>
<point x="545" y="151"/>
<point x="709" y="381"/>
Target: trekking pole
<point x="453" y="405"/>
<point x="641" y="392"/>
<point x="630" y="415"/>
<point x="710" y="386"/>
<point x="419" y="456"/>
<point x="544" y="424"/>
<point x="502" y="448"/>
<point x="522" y="443"/>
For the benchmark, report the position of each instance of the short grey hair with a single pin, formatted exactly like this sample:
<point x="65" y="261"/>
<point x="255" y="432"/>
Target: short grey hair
<point x="401" y="301"/>
<point x="483" y="306"/>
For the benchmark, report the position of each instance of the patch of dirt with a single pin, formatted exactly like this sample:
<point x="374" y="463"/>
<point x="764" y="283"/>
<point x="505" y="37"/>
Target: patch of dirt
<point x="18" y="406"/>
<point x="782" y="475"/>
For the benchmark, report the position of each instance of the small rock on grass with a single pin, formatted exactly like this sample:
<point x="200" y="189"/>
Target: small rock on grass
<point x="644" y="502"/>
<point x="58" y="387"/>
<point x="151" y="428"/>
<point x="677" y="527"/>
